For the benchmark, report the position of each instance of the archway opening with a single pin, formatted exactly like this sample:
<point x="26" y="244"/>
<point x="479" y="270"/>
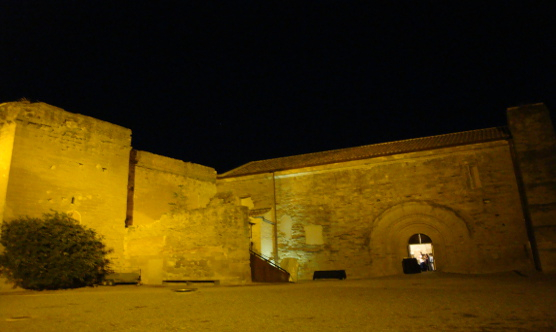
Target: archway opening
<point x="420" y="247"/>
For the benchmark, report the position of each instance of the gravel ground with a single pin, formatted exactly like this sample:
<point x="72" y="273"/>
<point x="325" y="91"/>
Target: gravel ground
<point x="429" y="301"/>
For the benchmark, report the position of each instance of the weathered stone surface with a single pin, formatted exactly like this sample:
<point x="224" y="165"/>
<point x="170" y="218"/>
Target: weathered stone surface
<point x="211" y="243"/>
<point x="163" y="184"/>
<point x="70" y="163"/>
<point x="56" y="160"/>
<point x="465" y="198"/>
<point x="292" y="266"/>
<point x="8" y="115"/>
<point x="534" y="141"/>
<point x="487" y="206"/>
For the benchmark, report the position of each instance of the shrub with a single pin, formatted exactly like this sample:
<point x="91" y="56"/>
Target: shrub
<point x="54" y="252"/>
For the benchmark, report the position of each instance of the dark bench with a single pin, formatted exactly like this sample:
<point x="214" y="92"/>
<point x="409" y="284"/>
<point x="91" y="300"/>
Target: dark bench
<point x="410" y="266"/>
<point x="122" y="278"/>
<point x="189" y="282"/>
<point x="331" y="274"/>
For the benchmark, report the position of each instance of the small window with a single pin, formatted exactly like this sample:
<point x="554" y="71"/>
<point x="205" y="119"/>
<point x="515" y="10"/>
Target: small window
<point x="419" y="238"/>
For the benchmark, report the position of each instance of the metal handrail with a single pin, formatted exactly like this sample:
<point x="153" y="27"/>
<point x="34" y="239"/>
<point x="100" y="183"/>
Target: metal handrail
<point x="268" y="260"/>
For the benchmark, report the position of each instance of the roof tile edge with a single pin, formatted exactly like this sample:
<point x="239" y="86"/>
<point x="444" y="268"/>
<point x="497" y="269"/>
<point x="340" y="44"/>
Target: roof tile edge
<point x="502" y="134"/>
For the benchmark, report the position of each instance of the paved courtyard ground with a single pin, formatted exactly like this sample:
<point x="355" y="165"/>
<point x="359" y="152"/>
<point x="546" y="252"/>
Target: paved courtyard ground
<point x="428" y="302"/>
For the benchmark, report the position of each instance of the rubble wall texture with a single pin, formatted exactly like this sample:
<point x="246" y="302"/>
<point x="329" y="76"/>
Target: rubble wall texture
<point x="358" y="216"/>
<point x="163" y="184"/>
<point x="55" y="160"/>
<point x="365" y="213"/>
<point x="487" y="207"/>
<point x="259" y="187"/>
<point x="69" y="163"/>
<point x="203" y="244"/>
<point x="535" y="145"/>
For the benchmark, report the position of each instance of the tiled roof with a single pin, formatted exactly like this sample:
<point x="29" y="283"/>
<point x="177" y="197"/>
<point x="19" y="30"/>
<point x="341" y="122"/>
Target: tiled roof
<point x="369" y="151"/>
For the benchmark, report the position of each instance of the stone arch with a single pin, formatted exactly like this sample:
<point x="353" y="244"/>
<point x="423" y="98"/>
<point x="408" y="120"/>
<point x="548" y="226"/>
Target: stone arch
<point x="450" y="234"/>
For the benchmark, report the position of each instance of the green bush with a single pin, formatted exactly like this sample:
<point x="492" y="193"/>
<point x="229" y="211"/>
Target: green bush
<point x="54" y="252"/>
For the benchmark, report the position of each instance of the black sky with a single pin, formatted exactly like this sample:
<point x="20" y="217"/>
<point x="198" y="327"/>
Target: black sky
<point x="225" y="83"/>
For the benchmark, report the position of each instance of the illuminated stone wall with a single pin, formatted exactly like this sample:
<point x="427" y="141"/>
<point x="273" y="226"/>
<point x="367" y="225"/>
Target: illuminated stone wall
<point x="162" y="184"/>
<point x="69" y="163"/>
<point x="259" y="188"/>
<point x="53" y="160"/>
<point x="487" y="207"/>
<point x="535" y="145"/>
<point x="360" y="215"/>
<point x="210" y="243"/>
<point x="8" y="115"/>
<point x="181" y="231"/>
<point x="259" y="191"/>
<point x="355" y="216"/>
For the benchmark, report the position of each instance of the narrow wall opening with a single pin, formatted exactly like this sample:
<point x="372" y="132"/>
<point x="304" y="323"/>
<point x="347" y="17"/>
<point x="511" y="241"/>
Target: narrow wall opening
<point x="420" y="247"/>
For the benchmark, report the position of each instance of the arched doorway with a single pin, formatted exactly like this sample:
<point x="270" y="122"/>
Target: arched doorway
<point x="392" y="229"/>
<point x="420" y="245"/>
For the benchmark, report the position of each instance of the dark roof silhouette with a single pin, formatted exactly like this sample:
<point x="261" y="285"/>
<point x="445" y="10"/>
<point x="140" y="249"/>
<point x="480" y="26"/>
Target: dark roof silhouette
<point x="369" y="151"/>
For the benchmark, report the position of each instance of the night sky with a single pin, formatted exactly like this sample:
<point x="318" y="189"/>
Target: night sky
<point x="225" y="83"/>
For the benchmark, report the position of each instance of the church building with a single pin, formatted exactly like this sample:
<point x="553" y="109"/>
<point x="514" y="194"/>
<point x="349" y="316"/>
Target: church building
<point x="479" y="201"/>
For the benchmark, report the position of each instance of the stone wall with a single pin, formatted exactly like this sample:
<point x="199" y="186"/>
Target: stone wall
<point x="258" y="190"/>
<point x="358" y="216"/>
<point x="535" y="147"/>
<point x="259" y="187"/>
<point x="8" y="115"/>
<point x="162" y="184"/>
<point x="210" y="243"/>
<point x="56" y="160"/>
<point x="69" y="163"/>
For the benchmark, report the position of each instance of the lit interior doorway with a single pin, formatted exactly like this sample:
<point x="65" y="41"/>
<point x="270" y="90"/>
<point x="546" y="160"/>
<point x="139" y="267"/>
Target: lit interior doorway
<point x="420" y="245"/>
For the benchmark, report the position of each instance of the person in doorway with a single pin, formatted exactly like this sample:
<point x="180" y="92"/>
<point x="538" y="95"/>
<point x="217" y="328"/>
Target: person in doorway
<point x="423" y="262"/>
<point x="431" y="262"/>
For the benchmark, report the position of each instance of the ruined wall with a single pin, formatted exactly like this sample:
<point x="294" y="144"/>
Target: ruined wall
<point x="259" y="191"/>
<point x="535" y="146"/>
<point x="69" y="163"/>
<point x="259" y="187"/>
<point x="55" y="160"/>
<point x="162" y="184"/>
<point x="210" y="243"/>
